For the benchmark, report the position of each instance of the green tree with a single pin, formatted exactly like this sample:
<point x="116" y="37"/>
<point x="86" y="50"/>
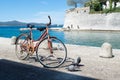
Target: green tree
<point x="87" y="4"/>
<point x="110" y="4"/>
<point x="96" y="5"/>
<point x="75" y="2"/>
<point x="71" y="3"/>
<point x="81" y="2"/>
<point x="102" y="2"/>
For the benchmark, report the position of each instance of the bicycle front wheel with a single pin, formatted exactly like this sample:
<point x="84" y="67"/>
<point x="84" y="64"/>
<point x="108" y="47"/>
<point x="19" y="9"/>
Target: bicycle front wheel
<point x="51" y="53"/>
<point x="21" y="46"/>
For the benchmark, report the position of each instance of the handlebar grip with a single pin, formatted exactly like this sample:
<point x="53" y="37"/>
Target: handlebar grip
<point x="49" y="21"/>
<point x="49" y="17"/>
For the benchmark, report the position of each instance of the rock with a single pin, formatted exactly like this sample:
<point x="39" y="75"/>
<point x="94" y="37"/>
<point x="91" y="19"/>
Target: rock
<point x="71" y="68"/>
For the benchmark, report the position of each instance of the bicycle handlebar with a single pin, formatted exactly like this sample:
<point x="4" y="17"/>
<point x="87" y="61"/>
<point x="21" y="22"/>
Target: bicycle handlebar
<point x="31" y="27"/>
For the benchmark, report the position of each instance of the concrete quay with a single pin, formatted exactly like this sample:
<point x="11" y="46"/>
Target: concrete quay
<point x="92" y="66"/>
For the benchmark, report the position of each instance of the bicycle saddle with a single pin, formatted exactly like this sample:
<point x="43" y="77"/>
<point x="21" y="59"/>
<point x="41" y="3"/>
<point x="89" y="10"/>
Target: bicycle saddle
<point x="41" y="28"/>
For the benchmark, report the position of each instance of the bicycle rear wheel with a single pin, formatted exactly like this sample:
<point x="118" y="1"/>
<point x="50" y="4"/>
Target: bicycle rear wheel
<point x="21" y="46"/>
<point x="54" y="56"/>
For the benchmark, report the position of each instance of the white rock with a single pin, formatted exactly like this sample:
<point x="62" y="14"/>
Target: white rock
<point x="106" y="50"/>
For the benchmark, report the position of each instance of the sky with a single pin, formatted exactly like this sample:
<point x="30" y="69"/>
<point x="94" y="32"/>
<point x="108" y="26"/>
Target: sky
<point x="33" y="10"/>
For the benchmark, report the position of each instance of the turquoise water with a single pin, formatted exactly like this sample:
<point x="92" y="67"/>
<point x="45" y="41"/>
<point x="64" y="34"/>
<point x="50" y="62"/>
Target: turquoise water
<point x="89" y="38"/>
<point x="93" y="38"/>
<point x="9" y="31"/>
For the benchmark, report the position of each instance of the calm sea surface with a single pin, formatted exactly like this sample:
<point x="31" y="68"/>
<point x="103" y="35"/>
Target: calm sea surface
<point x="89" y="38"/>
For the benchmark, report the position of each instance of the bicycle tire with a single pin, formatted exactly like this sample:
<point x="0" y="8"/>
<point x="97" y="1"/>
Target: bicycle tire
<point x="20" y="51"/>
<point x="51" y="60"/>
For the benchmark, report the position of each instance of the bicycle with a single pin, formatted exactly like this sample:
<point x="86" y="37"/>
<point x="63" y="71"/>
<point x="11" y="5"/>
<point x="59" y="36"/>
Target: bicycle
<point x="50" y="51"/>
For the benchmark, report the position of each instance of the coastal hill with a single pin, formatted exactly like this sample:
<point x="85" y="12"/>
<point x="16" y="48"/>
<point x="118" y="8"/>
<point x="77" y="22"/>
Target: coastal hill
<point x="18" y="23"/>
<point x="12" y="23"/>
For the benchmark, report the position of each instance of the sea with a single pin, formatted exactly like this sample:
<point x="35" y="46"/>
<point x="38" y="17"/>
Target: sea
<point x="84" y="38"/>
<point x="9" y="31"/>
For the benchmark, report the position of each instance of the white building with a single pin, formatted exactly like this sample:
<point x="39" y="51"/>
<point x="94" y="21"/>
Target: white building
<point x="107" y="6"/>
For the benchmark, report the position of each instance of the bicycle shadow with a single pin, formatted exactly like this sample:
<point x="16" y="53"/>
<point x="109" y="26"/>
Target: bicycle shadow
<point x="67" y="63"/>
<point x="10" y="70"/>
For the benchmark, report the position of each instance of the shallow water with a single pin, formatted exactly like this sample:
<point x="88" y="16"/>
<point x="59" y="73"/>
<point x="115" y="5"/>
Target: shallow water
<point x="93" y="38"/>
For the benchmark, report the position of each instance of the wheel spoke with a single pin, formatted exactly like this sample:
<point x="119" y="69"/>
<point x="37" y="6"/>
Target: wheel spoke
<point x="21" y="47"/>
<point x="54" y="59"/>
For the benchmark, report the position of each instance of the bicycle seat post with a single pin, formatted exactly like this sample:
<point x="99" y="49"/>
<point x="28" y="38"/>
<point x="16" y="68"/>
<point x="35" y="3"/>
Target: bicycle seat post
<point x="30" y="27"/>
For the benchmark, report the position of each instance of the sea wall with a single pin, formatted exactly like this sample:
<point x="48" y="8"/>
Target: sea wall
<point x="77" y="20"/>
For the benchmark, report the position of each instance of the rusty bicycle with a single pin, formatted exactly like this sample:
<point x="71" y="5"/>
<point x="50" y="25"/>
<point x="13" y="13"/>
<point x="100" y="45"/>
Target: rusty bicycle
<point x="50" y="51"/>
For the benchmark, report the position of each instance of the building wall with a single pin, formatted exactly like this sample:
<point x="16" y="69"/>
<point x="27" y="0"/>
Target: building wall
<point x="80" y="19"/>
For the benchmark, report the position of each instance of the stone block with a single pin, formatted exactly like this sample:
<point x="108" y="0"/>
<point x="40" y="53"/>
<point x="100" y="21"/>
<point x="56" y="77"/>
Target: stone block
<point x="106" y="50"/>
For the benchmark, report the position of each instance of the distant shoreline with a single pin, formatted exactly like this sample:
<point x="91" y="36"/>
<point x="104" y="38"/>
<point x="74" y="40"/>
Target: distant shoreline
<point x="11" y="25"/>
<point x="18" y="23"/>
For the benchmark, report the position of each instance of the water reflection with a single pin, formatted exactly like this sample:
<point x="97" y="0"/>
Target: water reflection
<point x="92" y="38"/>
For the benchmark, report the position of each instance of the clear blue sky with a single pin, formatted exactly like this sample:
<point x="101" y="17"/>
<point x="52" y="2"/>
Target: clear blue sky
<point x="33" y="10"/>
